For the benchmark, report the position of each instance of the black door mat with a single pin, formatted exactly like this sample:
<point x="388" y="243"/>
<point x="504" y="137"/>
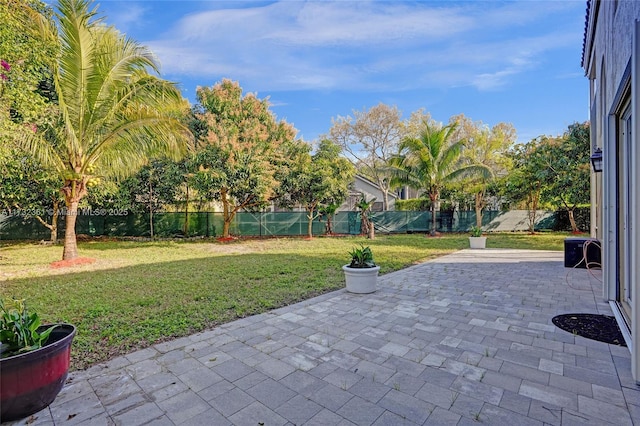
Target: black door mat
<point x="602" y="328"/>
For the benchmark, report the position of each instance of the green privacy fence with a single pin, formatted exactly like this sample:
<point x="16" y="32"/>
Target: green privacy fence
<point x="207" y="224"/>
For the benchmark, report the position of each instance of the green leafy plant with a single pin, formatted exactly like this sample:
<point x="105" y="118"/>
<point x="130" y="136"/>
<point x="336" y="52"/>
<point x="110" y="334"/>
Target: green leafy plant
<point x="19" y="329"/>
<point x="361" y="257"/>
<point x="476" y="231"/>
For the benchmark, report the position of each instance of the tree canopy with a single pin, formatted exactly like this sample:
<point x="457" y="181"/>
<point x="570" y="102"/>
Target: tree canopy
<point x="371" y="138"/>
<point x="487" y="146"/>
<point x="113" y="113"/>
<point x="316" y="181"/>
<point x="430" y="161"/>
<point x="243" y="148"/>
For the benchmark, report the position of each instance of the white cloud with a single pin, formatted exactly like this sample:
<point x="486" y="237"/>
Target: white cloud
<point x="128" y="16"/>
<point x="364" y="45"/>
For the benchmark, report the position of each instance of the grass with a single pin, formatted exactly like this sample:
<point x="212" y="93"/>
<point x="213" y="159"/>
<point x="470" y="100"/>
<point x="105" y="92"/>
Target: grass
<point x="139" y="293"/>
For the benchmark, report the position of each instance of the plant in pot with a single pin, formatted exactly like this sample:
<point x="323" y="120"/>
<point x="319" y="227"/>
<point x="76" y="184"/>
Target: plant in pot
<point x="476" y="240"/>
<point x="361" y="275"/>
<point x="34" y="360"/>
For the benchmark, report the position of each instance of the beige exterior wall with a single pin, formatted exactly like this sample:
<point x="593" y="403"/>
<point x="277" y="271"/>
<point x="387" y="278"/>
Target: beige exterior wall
<point x="611" y="60"/>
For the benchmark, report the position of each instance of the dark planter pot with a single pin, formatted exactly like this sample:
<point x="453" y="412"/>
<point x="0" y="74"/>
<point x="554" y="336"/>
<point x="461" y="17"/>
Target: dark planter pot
<point x="31" y="381"/>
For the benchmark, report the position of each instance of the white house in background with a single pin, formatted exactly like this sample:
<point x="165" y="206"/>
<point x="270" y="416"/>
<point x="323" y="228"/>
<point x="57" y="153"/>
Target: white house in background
<point x="362" y="185"/>
<point x="611" y="60"/>
<point x="359" y="186"/>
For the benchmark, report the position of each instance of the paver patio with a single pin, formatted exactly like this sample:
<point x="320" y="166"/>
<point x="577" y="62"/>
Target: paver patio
<point x="464" y="339"/>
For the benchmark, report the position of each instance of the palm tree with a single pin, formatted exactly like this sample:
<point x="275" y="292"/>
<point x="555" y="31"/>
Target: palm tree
<point x="430" y="161"/>
<point x="113" y="114"/>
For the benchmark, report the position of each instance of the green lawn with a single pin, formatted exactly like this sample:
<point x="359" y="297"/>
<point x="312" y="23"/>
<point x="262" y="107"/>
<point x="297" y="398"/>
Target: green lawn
<point x="139" y="293"/>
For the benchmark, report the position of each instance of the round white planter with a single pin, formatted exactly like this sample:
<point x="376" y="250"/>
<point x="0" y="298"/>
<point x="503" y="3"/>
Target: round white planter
<point x="478" y="242"/>
<point x="361" y="280"/>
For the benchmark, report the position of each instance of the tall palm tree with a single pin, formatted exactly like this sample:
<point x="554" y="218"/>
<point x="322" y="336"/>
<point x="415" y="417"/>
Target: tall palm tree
<point x="113" y="113"/>
<point x="430" y="161"/>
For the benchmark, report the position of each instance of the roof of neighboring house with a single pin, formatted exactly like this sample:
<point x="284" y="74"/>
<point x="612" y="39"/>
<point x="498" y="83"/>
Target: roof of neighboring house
<point x="375" y="185"/>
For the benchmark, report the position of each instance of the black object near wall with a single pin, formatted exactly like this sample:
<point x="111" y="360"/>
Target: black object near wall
<point x="582" y="253"/>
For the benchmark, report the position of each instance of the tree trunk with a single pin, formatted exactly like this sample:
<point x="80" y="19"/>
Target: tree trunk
<point x="151" y="209"/>
<point x="572" y="220"/>
<point x="226" y="214"/>
<point x="70" y="250"/>
<point x="329" y="225"/>
<point x="364" y="224"/>
<point x="433" y="220"/>
<point x="479" y="206"/>
<point x="533" y="210"/>
<point x="53" y="227"/>
<point x="185" y="229"/>
<point x="310" y="222"/>
<point x="73" y="191"/>
<point x="54" y="222"/>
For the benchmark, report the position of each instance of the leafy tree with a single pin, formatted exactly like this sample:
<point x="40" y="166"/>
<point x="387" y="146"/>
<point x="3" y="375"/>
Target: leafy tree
<point x="28" y="49"/>
<point x="242" y="149"/>
<point x="317" y="180"/>
<point x="524" y="184"/>
<point x="566" y="174"/>
<point x="371" y="138"/>
<point x="487" y="146"/>
<point x="155" y="186"/>
<point x="431" y="161"/>
<point x="29" y="190"/>
<point x="114" y="114"/>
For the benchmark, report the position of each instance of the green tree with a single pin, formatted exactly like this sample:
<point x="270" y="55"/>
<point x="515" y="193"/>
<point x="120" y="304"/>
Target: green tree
<point x="487" y="146"/>
<point x="525" y="182"/>
<point x="317" y="180"/>
<point x="114" y="114"/>
<point x="567" y="170"/>
<point x="243" y="149"/>
<point x="155" y="186"/>
<point x="432" y="160"/>
<point x="370" y="138"/>
<point x="29" y="190"/>
<point x="28" y="49"/>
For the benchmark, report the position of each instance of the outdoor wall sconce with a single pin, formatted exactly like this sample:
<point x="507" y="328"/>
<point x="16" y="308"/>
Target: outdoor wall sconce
<point x="596" y="160"/>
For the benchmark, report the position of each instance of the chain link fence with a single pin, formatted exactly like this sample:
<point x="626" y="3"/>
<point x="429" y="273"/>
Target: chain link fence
<point x="265" y="224"/>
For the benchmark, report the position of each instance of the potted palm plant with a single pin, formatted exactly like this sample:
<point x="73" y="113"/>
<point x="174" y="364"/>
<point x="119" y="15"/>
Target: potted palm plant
<point x="361" y="275"/>
<point x="34" y="360"/>
<point x="476" y="240"/>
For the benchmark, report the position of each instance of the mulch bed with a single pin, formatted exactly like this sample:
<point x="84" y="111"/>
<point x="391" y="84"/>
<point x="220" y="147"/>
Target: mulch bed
<point x="71" y="262"/>
<point x="602" y="328"/>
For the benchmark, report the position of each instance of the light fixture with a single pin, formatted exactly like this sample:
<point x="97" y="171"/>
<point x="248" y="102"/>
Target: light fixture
<point x="596" y="160"/>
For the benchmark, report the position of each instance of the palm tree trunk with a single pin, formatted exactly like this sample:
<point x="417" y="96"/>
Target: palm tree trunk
<point x="433" y="220"/>
<point x="70" y="250"/>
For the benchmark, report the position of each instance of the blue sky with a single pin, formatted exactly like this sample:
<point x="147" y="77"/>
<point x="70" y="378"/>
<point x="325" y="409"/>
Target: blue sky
<point x="494" y="61"/>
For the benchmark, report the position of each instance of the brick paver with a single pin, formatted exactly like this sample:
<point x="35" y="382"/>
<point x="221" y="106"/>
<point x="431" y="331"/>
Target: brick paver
<point x="458" y="340"/>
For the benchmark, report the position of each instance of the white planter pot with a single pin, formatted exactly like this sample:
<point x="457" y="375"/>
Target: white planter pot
<point x="361" y="280"/>
<point x="478" y="242"/>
